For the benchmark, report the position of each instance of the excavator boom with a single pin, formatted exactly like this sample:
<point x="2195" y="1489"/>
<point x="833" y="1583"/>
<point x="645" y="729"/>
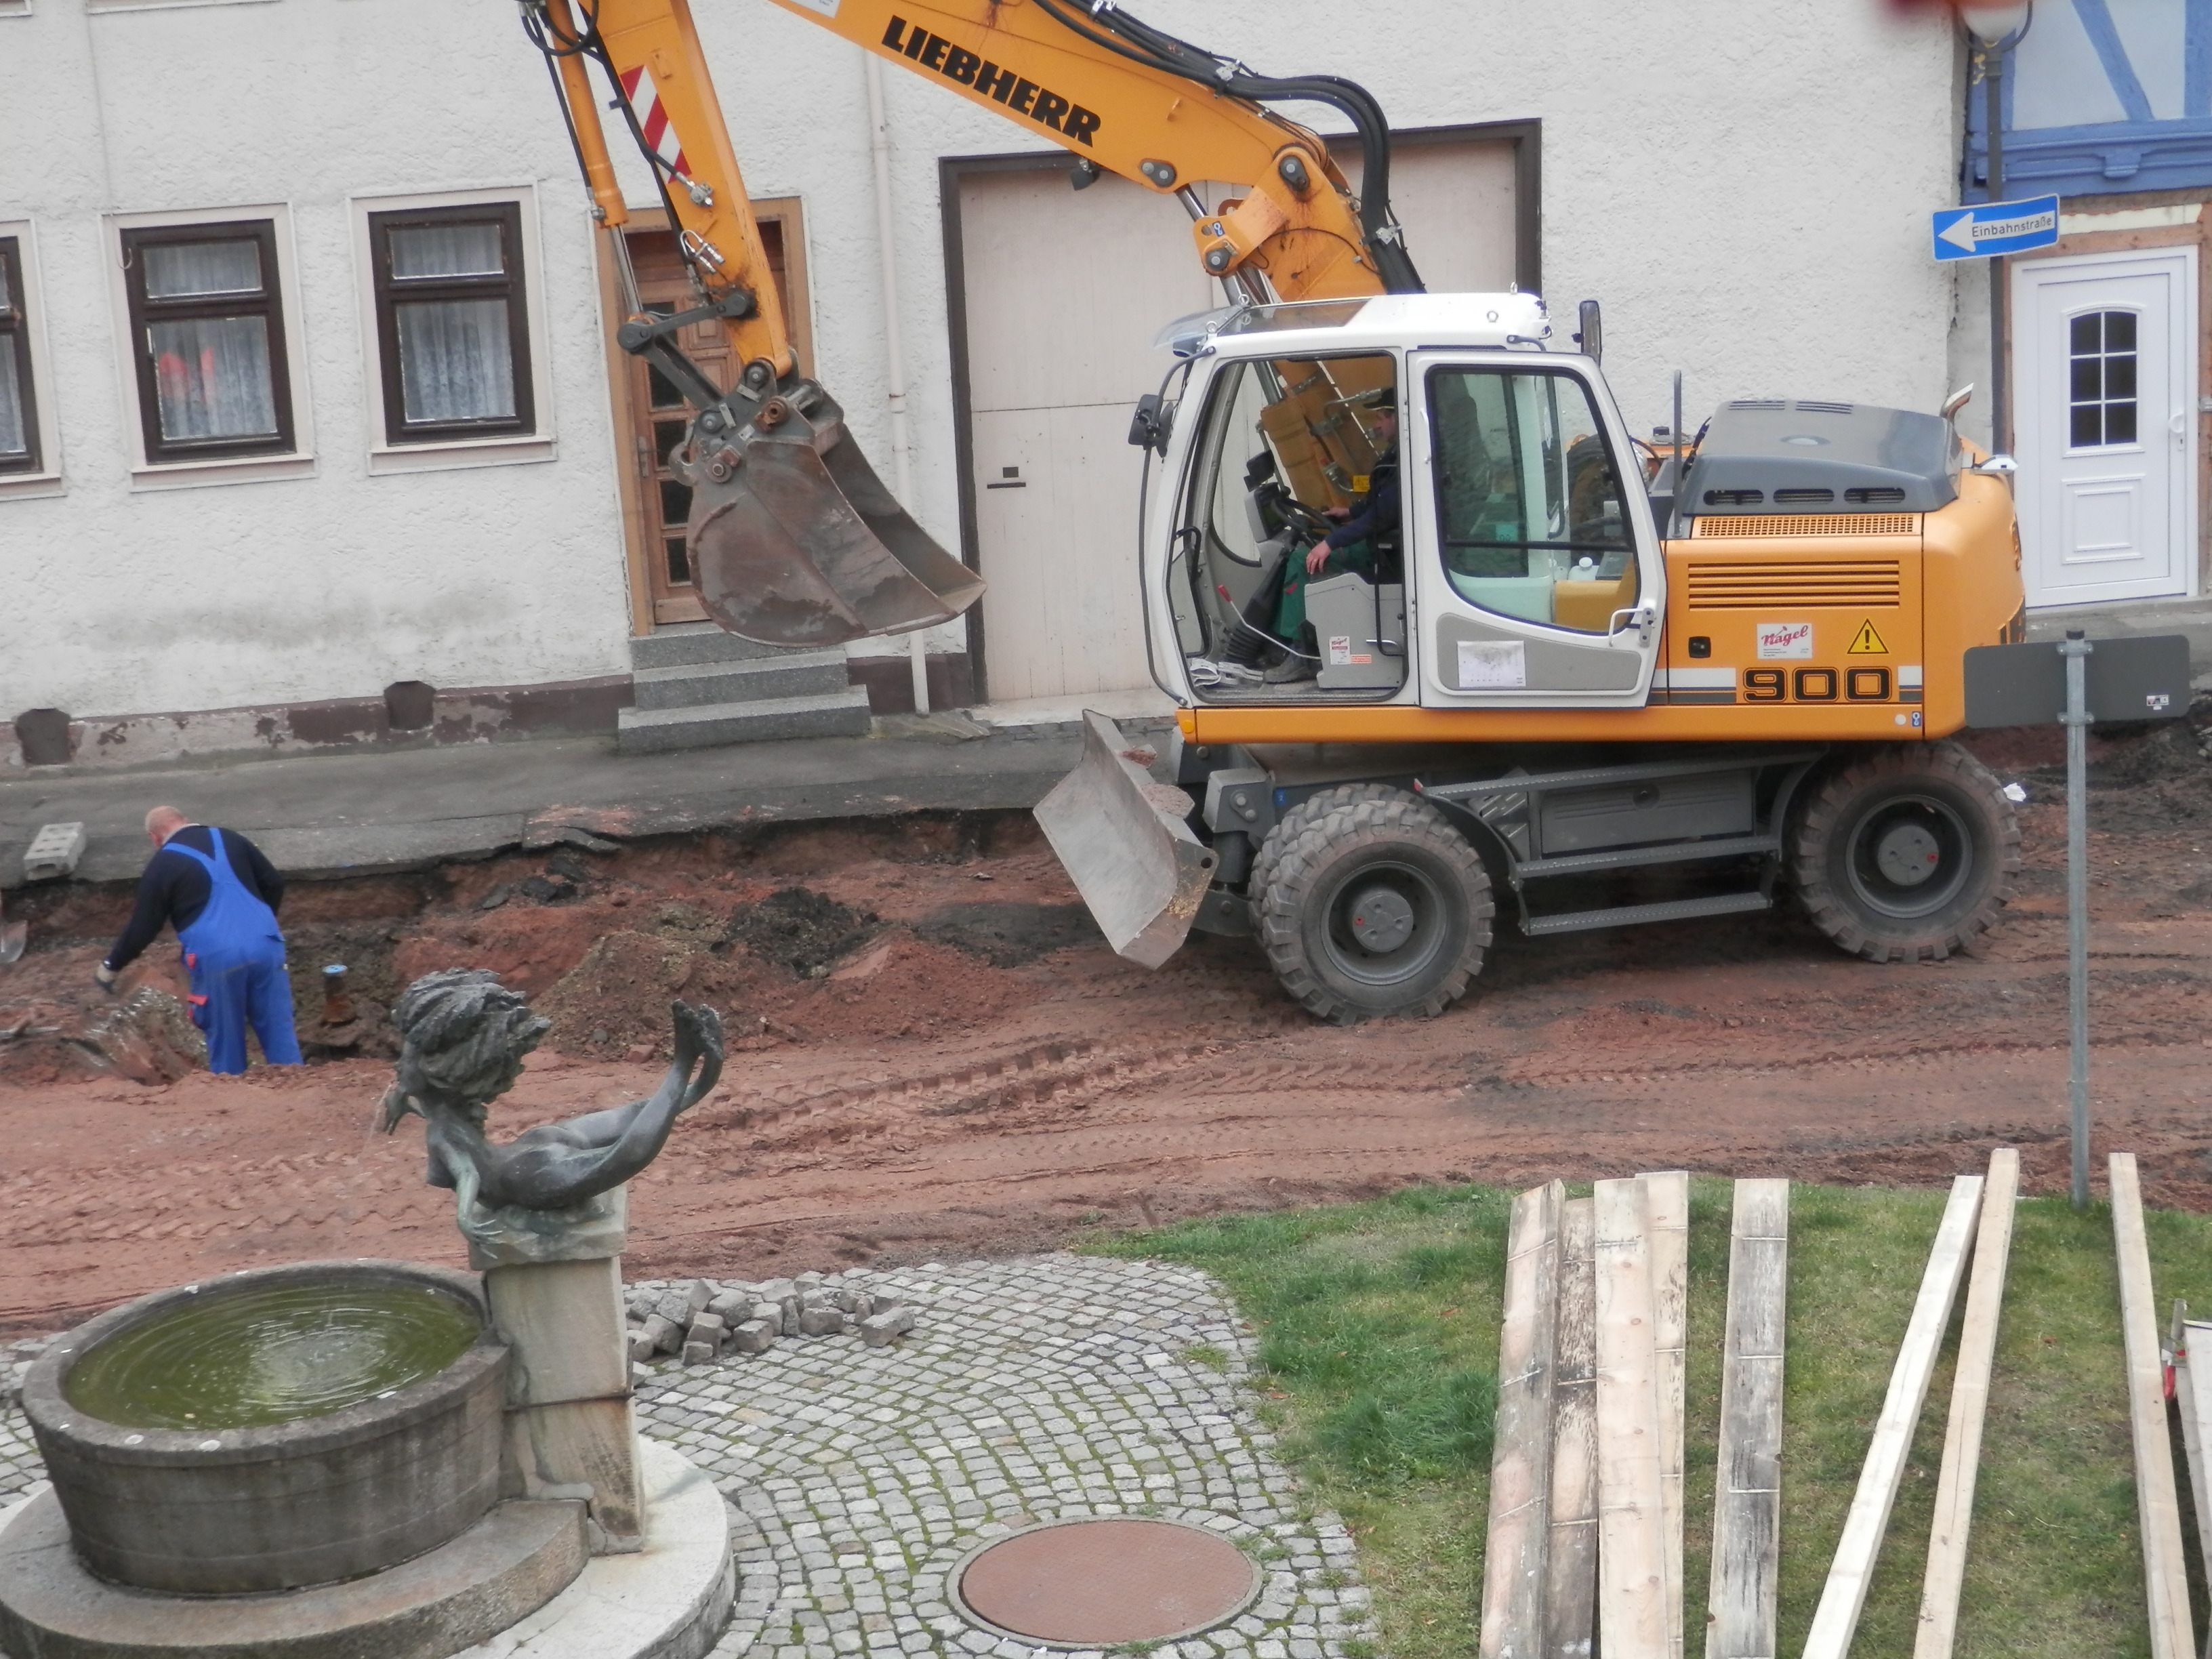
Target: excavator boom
<point x="793" y="540"/>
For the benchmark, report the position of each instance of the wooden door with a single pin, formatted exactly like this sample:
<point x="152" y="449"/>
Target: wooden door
<point x="654" y="416"/>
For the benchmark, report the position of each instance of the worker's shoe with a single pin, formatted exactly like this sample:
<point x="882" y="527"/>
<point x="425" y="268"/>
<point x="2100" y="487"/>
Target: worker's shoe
<point x="1291" y="669"/>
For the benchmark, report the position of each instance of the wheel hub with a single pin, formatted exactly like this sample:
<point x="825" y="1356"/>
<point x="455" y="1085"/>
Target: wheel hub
<point x="1382" y="919"/>
<point x="1907" y="854"/>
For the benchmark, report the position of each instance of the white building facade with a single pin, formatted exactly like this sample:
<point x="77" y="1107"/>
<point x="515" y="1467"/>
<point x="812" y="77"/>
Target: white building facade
<point x="223" y="525"/>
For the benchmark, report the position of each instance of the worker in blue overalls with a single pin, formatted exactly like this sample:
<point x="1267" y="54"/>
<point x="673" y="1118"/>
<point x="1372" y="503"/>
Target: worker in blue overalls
<point x="221" y="895"/>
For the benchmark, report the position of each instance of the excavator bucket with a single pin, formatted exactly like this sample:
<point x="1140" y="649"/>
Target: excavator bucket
<point x="795" y="541"/>
<point x="1122" y="840"/>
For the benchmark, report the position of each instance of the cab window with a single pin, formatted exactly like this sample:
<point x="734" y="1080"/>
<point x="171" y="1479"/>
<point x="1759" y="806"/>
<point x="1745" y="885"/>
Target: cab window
<point x="1529" y="505"/>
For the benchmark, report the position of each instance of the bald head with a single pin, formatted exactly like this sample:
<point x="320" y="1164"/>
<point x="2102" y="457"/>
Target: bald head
<point x="163" y="822"/>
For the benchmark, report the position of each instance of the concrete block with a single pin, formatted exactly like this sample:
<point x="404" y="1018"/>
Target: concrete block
<point x="776" y="1290"/>
<point x="729" y="1306"/>
<point x="697" y="1291"/>
<point x="821" y="1322"/>
<point x="699" y="1353"/>
<point x="706" y="1328"/>
<point x="821" y="1297"/>
<point x="754" y="1336"/>
<point x="770" y="1311"/>
<point x="664" y="1334"/>
<point x="639" y="1345"/>
<point x="808" y="1281"/>
<point x="880" y="1330"/>
<point x="54" y="852"/>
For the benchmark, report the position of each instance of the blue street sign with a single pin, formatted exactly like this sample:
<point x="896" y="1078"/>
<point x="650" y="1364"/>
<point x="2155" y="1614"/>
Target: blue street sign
<point x="1987" y="227"/>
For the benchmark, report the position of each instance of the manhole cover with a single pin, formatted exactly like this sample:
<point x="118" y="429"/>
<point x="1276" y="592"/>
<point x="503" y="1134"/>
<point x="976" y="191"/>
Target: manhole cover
<point x="1096" y="1583"/>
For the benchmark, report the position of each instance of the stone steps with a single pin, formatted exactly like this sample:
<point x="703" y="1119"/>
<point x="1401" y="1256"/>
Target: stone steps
<point x="697" y="686"/>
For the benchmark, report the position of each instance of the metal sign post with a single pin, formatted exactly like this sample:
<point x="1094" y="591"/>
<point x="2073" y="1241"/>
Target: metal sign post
<point x="2076" y="651"/>
<point x="2130" y="679"/>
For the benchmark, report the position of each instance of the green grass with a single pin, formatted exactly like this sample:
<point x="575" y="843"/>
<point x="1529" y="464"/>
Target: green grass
<point x="1378" y="1343"/>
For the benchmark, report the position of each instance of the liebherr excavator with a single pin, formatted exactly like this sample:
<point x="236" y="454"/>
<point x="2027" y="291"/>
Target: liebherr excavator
<point x="1623" y="683"/>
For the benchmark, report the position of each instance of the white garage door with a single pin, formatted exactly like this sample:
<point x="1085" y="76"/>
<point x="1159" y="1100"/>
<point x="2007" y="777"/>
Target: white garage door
<point x="1064" y="292"/>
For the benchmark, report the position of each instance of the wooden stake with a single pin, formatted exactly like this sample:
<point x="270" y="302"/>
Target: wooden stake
<point x="1970" y="1399"/>
<point x="1631" y="1551"/>
<point x="1667" y="1202"/>
<point x="1570" y="1618"/>
<point x="2157" y="1506"/>
<point x="1842" y="1598"/>
<point x="1521" y="1458"/>
<point x="1747" y="1495"/>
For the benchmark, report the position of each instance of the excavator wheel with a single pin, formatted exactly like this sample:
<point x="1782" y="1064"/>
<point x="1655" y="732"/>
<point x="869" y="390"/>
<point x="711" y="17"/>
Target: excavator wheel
<point x="1368" y="902"/>
<point x="1906" y="854"/>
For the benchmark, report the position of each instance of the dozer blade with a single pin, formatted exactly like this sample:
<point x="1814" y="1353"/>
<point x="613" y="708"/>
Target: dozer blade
<point x="795" y="541"/>
<point x="1122" y="840"/>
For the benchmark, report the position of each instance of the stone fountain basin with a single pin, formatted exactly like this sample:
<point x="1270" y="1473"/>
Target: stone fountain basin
<point x="315" y="1501"/>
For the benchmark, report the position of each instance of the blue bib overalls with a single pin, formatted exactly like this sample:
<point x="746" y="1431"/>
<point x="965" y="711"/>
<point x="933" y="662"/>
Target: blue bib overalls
<point x="236" y="959"/>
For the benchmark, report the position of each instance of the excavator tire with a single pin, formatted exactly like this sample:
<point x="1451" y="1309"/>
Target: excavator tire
<point x="1906" y="854"/>
<point x="1368" y="904"/>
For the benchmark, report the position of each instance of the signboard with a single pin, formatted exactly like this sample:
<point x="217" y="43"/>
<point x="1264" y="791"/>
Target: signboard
<point x="1989" y="227"/>
<point x="2138" y="679"/>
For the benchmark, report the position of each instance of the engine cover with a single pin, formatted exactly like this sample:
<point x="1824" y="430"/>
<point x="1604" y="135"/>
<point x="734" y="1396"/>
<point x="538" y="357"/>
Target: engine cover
<point x="1798" y="456"/>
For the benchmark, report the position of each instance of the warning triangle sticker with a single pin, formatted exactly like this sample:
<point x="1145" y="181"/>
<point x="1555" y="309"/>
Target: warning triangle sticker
<point x="1868" y="643"/>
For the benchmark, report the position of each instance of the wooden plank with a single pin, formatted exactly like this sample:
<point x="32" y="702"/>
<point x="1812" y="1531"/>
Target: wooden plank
<point x="2192" y="1394"/>
<point x="1844" y="1596"/>
<point x="1631" y="1561"/>
<point x="1520" y="1456"/>
<point x="1666" y="1203"/>
<point x="1970" y="1400"/>
<point x="1570" y="1615"/>
<point x="2158" y="1507"/>
<point x="1740" y="1621"/>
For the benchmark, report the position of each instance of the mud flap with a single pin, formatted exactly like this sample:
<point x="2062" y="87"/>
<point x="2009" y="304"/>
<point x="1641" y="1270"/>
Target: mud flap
<point x="1121" y="838"/>
<point x="795" y="542"/>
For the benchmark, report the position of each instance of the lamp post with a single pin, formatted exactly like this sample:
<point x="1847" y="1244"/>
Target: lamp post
<point x="1996" y="31"/>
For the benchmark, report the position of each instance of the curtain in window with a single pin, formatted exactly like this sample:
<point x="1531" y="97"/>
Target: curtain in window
<point x="453" y="358"/>
<point x="446" y="251"/>
<point x="211" y="376"/>
<point x="14" y="438"/>
<point x="181" y="269"/>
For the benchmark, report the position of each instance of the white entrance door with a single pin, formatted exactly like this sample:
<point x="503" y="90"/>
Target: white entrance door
<point x="2105" y="363"/>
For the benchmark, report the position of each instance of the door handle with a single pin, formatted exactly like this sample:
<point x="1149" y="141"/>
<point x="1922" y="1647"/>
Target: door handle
<point x="1640" y="618"/>
<point x="2179" y="426"/>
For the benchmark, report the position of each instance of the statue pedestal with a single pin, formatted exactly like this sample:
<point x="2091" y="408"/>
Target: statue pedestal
<point x="553" y="1279"/>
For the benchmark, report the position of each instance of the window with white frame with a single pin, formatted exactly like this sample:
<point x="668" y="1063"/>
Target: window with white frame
<point x="207" y="340"/>
<point x="453" y="323"/>
<point x="20" y="444"/>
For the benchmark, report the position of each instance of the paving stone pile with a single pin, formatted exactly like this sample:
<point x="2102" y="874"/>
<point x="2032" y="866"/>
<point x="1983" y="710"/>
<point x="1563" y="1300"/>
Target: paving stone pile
<point x="700" y="1320"/>
<point x="1052" y="1388"/>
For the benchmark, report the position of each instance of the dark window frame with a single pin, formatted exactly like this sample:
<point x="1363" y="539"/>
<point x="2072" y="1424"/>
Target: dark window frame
<point x="15" y="324"/>
<point x="512" y="284"/>
<point x="268" y="304"/>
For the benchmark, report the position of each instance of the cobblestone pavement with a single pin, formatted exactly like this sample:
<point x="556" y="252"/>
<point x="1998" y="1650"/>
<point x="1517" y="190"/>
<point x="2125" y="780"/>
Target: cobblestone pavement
<point x="1031" y="1390"/>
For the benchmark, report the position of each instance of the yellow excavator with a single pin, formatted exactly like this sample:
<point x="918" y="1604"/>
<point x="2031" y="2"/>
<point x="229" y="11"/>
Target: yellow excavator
<point x="1437" y="623"/>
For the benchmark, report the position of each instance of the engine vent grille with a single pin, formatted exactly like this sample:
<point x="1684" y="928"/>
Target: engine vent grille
<point x="1719" y="584"/>
<point x="1708" y="525"/>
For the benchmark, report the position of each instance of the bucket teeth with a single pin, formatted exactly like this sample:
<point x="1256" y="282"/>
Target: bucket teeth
<point x="797" y="542"/>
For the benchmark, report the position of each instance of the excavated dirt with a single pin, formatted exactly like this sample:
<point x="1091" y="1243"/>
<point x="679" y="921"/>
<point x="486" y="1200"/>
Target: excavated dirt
<point x="933" y="1054"/>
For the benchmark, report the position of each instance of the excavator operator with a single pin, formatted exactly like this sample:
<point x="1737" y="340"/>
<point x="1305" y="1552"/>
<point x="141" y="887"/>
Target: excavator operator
<point x="1366" y="540"/>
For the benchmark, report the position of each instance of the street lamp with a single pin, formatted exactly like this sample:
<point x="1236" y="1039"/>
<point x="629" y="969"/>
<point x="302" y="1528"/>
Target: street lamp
<point x="1996" y="30"/>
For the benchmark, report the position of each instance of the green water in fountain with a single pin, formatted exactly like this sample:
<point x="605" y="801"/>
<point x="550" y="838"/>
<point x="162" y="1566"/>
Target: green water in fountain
<point x="251" y="1358"/>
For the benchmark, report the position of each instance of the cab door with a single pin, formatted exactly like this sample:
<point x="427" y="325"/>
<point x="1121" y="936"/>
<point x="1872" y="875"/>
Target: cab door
<point x="1533" y="558"/>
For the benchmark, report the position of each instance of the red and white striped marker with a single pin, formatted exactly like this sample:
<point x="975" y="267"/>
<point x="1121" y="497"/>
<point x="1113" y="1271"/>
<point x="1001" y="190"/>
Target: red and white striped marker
<point x="652" y="118"/>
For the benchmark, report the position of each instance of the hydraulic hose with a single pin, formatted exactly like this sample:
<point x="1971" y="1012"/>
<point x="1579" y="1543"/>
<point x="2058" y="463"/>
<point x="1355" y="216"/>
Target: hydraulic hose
<point x="1115" y="30"/>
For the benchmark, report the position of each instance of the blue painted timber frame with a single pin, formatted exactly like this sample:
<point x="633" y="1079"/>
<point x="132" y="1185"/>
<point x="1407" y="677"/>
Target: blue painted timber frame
<point x="2140" y="153"/>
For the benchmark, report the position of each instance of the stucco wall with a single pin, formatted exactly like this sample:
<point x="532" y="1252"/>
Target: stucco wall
<point x="336" y="584"/>
<point x="1745" y="190"/>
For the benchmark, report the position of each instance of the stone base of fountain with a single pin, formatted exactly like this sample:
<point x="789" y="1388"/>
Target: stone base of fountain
<point x="499" y="1584"/>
